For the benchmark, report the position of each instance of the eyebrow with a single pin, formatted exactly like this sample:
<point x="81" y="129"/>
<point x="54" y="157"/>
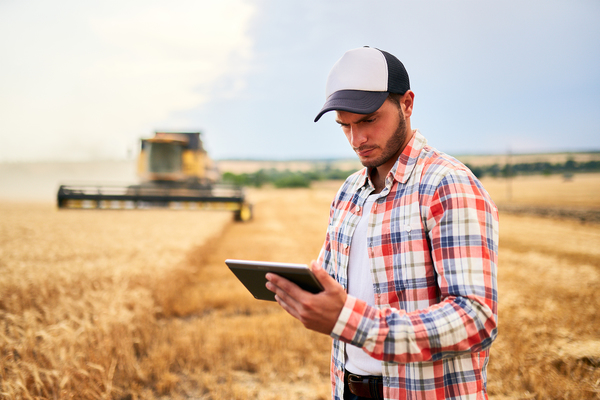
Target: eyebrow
<point x="364" y="118"/>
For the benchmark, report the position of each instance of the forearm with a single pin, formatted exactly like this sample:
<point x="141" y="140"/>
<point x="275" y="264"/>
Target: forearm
<point x="456" y="325"/>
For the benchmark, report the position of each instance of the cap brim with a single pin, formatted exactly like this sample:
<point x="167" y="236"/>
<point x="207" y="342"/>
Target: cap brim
<point x="354" y="101"/>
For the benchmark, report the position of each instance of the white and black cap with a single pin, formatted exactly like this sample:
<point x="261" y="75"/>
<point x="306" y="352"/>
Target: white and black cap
<point x="361" y="80"/>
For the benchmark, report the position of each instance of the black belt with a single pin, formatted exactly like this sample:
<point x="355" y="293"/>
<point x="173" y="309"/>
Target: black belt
<point x="370" y="387"/>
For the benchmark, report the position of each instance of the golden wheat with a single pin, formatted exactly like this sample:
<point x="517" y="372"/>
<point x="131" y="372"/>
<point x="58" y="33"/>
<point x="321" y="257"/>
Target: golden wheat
<point x="549" y="284"/>
<point x="80" y="292"/>
<point x="139" y="304"/>
<point x="581" y="190"/>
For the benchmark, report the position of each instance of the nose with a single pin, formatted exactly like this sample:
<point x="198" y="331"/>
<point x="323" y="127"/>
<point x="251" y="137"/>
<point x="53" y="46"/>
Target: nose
<point x="356" y="136"/>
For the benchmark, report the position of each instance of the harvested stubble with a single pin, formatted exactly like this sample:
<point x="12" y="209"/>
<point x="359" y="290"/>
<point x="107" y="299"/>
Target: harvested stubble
<point x="549" y="295"/>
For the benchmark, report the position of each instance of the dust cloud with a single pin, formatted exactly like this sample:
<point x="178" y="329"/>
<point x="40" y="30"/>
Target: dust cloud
<point x="39" y="181"/>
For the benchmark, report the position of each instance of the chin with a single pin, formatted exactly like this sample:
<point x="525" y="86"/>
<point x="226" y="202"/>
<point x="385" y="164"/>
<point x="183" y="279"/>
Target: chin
<point x="371" y="162"/>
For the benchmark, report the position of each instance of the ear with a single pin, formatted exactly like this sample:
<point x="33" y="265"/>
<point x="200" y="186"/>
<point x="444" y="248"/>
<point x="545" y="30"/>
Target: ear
<point x="406" y="102"/>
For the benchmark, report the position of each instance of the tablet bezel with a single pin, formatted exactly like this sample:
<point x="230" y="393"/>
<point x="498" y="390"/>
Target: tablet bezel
<point x="252" y="275"/>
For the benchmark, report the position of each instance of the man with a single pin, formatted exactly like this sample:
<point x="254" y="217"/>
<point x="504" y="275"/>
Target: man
<point x="409" y="261"/>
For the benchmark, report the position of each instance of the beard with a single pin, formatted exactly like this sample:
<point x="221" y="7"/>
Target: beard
<point x="392" y="147"/>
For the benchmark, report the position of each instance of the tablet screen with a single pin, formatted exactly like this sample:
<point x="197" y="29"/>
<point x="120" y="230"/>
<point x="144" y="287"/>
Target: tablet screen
<point x="252" y="275"/>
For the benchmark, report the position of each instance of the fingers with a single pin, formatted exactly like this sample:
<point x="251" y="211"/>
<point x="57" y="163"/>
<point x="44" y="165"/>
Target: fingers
<point x="318" y="312"/>
<point x="287" y="295"/>
<point x="285" y="292"/>
<point x="290" y="310"/>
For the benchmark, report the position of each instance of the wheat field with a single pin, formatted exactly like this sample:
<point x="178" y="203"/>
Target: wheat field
<point x="139" y="304"/>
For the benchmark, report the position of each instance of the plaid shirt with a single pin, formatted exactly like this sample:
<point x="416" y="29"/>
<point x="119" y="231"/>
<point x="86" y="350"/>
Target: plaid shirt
<point x="433" y="249"/>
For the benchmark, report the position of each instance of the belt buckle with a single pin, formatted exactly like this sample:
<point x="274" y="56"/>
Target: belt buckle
<point x="364" y="386"/>
<point x="359" y="385"/>
<point x="356" y="378"/>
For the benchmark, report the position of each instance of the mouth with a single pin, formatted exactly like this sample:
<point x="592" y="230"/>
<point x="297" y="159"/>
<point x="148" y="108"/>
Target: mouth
<point x="364" y="152"/>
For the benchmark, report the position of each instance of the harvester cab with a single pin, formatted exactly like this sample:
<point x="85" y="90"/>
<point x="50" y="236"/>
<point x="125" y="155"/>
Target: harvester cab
<point x="176" y="157"/>
<point x="175" y="172"/>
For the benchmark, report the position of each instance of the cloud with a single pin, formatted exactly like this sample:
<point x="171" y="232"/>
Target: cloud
<point x="112" y="73"/>
<point x="87" y="79"/>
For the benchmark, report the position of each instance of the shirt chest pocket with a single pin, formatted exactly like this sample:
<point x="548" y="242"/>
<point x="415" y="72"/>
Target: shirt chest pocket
<point x="340" y="235"/>
<point x="411" y="255"/>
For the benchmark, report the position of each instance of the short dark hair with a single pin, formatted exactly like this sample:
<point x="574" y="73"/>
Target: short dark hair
<point x="395" y="98"/>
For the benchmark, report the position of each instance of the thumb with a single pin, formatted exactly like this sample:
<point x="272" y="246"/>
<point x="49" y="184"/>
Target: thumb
<point x="322" y="276"/>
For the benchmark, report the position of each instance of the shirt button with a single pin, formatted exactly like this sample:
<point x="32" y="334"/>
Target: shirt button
<point x="358" y="209"/>
<point x="407" y="228"/>
<point x="345" y="246"/>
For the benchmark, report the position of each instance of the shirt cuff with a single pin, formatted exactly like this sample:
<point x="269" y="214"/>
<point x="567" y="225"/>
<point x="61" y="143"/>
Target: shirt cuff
<point x="349" y="319"/>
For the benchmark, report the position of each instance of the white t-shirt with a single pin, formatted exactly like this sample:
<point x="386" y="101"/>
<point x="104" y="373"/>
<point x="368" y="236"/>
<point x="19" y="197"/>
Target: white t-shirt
<point x="360" y="285"/>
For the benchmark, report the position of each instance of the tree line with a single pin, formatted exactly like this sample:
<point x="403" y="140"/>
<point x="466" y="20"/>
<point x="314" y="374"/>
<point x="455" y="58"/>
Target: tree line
<point x="285" y="179"/>
<point x="569" y="167"/>
<point x="303" y="179"/>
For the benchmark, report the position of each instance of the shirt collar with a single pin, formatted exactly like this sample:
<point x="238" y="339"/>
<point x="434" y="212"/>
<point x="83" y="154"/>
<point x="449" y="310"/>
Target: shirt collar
<point x="408" y="159"/>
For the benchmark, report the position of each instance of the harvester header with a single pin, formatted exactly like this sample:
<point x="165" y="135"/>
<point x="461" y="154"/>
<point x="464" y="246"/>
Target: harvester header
<point x="175" y="172"/>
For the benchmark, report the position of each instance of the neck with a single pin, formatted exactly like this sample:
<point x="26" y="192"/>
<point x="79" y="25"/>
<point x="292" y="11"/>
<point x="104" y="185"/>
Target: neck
<point x="377" y="179"/>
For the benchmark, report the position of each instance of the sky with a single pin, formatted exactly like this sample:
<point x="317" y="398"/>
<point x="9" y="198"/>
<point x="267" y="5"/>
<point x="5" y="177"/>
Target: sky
<point x="86" y="80"/>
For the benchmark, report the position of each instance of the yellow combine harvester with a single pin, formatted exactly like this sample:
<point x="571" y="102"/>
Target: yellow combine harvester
<point x="175" y="173"/>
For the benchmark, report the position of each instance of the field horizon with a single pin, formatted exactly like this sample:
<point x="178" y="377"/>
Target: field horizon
<point x="39" y="180"/>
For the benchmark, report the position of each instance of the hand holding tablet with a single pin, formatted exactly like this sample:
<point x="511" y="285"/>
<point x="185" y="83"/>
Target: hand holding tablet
<point x="252" y="275"/>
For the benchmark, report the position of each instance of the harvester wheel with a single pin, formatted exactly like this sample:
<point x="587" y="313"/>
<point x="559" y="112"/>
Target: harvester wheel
<point x="244" y="213"/>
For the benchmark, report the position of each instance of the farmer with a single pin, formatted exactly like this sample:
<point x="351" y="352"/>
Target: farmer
<point x="409" y="260"/>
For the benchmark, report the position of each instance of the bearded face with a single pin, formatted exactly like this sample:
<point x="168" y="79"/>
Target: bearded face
<point x="391" y="148"/>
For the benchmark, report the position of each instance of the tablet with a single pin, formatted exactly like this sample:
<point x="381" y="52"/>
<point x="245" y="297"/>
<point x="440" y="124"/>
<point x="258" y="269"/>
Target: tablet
<point x="252" y="275"/>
